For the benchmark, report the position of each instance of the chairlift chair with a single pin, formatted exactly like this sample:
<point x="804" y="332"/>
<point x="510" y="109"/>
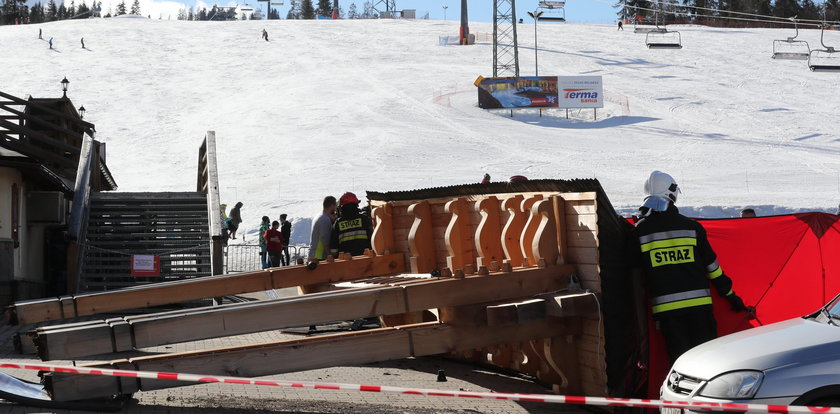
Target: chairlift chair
<point x="790" y="48"/>
<point x="553" y="11"/>
<point x="824" y="60"/>
<point x="662" y="38"/>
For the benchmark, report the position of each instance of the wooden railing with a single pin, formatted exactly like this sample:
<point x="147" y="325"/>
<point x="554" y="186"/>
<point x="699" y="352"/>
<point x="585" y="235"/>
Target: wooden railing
<point x="79" y="214"/>
<point x="208" y="183"/>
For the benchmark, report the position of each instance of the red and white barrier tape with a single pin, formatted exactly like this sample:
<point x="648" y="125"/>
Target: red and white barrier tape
<point x="545" y="398"/>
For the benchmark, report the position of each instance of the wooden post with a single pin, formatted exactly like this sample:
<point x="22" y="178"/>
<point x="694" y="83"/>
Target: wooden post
<point x="383" y="233"/>
<point x="457" y="237"/>
<point x="544" y="246"/>
<point x="420" y="240"/>
<point x="560" y="222"/>
<point x="526" y="240"/>
<point x="513" y="229"/>
<point x="487" y="241"/>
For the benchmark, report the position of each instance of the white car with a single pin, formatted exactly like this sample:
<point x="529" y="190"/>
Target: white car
<point x="794" y="362"/>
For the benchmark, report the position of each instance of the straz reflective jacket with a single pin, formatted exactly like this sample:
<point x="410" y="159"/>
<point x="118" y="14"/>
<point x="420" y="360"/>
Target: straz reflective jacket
<point x="351" y="233"/>
<point x="679" y="262"/>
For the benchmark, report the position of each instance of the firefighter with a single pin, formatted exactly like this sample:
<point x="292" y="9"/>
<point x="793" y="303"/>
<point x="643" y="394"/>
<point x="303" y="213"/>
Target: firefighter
<point x="352" y="231"/>
<point x="679" y="263"/>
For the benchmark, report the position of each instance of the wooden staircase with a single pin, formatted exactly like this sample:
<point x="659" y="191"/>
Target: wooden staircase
<point x="173" y="226"/>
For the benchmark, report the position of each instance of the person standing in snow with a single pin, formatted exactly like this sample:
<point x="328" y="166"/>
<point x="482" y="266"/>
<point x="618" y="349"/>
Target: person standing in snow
<point x="235" y="219"/>
<point x="39" y="33"/>
<point x="620" y="25"/>
<point x="319" y="243"/>
<point x="274" y="243"/>
<point x="83" y="43"/>
<point x="680" y="264"/>
<point x="286" y="230"/>
<point x="264" y="226"/>
<point x="265" y="35"/>
<point x="51" y="43"/>
<point x="486" y="179"/>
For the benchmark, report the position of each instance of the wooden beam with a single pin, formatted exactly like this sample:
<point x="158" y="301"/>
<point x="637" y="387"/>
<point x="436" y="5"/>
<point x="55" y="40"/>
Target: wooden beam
<point x="458" y="236"/>
<point x="513" y="229"/>
<point x="527" y="237"/>
<point x="73" y="341"/>
<point x="420" y="240"/>
<point x="35" y="152"/>
<point x="45" y="123"/>
<point x="41" y="137"/>
<point x="185" y="290"/>
<point x="487" y="241"/>
<point x="383" y="235"/>
<point x="36" y="105"/>
<point x="302" y="354"/>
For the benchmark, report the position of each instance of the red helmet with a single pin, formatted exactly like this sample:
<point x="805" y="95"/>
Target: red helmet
<point x="348" y="198"/>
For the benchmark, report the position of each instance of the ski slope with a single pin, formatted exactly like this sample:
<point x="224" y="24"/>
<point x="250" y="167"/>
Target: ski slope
<point x="332" y="106"/>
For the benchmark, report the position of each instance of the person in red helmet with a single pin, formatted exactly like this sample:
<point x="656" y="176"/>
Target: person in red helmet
<point x="352" y="231"/>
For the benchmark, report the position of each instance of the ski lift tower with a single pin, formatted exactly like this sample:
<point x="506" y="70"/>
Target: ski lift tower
<point x="505" y="47"/>
<point x="389" y="6"/>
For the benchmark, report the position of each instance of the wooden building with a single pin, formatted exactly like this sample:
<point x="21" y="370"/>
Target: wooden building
<point x="41" y="148"/>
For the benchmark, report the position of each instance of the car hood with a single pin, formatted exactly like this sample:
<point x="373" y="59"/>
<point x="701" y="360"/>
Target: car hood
<point x="783" y="343"/>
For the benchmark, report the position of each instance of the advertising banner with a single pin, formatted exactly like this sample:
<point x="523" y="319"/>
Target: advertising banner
<point x="581" y="91"/>
<point x="522" y="92"/>
<point x="145" y="265"/>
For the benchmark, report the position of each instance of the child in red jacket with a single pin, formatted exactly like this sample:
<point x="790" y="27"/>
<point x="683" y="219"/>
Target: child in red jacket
<point x="274" y="242"/>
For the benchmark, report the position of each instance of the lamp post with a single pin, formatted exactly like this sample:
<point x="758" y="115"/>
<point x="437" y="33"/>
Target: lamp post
<point x="82" y="112"/>
<point x="444" y="12"/>
<point x="64" y="85"/>
<point x="536" y="16"/>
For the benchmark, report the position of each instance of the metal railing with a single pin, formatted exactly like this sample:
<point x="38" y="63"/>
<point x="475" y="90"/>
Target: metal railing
<point x="246" y="257"/>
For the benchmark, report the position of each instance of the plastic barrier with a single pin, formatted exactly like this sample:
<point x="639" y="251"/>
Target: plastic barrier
<point x="545" y="398"/>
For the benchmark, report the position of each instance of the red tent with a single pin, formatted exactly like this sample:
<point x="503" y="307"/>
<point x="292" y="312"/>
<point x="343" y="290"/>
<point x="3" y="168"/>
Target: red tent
<point x="785" y="266"/>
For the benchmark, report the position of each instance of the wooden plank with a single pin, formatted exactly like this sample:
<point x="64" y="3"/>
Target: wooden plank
<point x="235" y="319"/>
<point x="513" y="229"/>
<point x="383" y="234"/>
<point x="487" y="234"/>
<point x="209" y="287"/>
<point x="545" y="244"/>
<point x="44" y="108"/>
<point x="583" y="255"/>
<point x="578" y="304"/>
<point x="526" y="239"/>
<point x="459" y="240"/>
<point x="305" y="354"/>
<point x="581" y="238"/>
<point x="587" y="222"/>
<point x="490" y="288"/>
<point x="420" y="239"/>
<point x="580" y="196"/>
<point x="580" y="207"/>
<point x="43" y="138"/>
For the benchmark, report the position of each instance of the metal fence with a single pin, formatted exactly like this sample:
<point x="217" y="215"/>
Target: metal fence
<point x="246" y="257"/>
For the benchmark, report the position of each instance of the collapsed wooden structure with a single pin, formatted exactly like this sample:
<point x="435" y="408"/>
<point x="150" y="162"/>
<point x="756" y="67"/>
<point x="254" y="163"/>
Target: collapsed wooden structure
<point x="507" y="274"/>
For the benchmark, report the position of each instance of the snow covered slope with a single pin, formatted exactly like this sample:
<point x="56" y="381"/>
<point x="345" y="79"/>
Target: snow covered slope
<point x="334" y="106"/>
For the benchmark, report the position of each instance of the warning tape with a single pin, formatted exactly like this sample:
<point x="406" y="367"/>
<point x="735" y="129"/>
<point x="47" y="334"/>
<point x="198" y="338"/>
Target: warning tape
<point x="545" y="398"/>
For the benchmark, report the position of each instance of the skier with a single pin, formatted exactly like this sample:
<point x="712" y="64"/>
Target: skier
<point x="83" y="43"/>
<point x="620" y="26"/>
<point x="265" y="35"/>
<point x="39" y="34"/>
<point x="51" y="43"/>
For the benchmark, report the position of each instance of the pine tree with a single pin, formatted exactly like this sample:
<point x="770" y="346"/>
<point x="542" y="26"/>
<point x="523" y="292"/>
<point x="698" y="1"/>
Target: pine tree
<point x="120" y="8"/>
<point x="51" y="13"/>
<point x="351" y="12"/>
<point x="202" y="14"/>
<point x="83" y="11"/>
<point x="786" y="8"/>
<point x="135" y="8"/>
<point x="368" y="12"/>
<point x="71" y="11"/>
<point x="62" y="12"/>
<point x="307" y="10"/>
<point x="832" y="10"/>
<point x="273" y="14"/>
<point x="324" y="8"/>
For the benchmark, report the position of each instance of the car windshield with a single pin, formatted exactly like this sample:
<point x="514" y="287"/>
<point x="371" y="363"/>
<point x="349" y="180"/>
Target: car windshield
<point x="830" y="313"/>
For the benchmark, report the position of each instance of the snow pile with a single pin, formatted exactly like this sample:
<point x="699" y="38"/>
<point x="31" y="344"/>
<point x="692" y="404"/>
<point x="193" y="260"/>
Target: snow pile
<point x="334" y="106"/>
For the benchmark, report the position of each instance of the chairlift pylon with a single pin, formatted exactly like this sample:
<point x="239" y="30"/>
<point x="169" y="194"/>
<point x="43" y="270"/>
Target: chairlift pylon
<point x="553" y="11"/>
<point x="824" y="60"/>
<point x="790" y="48"/>
<point x="662" y="38"/>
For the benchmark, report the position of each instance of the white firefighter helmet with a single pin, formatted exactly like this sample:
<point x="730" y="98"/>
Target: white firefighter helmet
<point x="660" y="189"/>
